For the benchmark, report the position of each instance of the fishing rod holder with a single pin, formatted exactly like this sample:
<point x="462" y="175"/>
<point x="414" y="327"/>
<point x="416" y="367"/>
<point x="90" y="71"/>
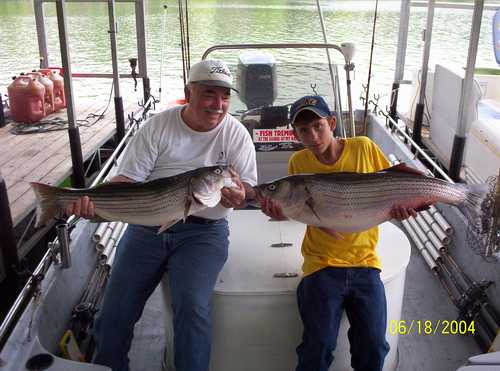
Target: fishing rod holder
<point x="61" y="246"/>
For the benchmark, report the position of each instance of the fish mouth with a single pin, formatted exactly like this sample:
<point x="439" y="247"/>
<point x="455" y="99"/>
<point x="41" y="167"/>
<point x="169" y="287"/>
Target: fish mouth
<point x="259" y="195"/>
<point x="256" y="200"/>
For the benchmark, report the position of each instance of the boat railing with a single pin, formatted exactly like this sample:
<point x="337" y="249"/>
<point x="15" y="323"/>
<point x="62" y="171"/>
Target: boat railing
<point x="64" y="259"/>
<point x="491" y="248"/>
<point x="394" y="126"/>
<point x="465" y="98"/>
<point x="347" y="51"/>
<point x="450" y="5"/>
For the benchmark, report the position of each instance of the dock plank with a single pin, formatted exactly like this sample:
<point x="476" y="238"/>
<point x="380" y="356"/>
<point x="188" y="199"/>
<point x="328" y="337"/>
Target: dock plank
<point x="47" y="157"/>
<point x="10" y="144"/>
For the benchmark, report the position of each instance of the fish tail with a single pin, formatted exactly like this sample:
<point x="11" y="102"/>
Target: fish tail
<point x="47" y="206"/>
<point x="482" y="209"/>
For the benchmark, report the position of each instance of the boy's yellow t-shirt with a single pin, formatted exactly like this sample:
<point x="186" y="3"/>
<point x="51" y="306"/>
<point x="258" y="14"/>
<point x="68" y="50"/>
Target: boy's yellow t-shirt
<point x="319" y="248"/>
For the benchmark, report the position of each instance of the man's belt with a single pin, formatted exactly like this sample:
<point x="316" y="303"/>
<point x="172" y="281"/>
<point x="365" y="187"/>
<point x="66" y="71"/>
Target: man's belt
<point x="198" y="220"/>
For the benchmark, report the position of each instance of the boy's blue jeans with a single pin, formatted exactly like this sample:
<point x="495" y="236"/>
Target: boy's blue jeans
<point x="192" y="255"/>
<point x="322" y="298"/>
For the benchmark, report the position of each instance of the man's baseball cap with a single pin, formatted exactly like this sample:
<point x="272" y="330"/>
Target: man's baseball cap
<point x="212" y="73"/>
<point x="313" y="103"/>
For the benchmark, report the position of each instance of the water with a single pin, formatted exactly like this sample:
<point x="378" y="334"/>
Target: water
<point x="236" y="21"/>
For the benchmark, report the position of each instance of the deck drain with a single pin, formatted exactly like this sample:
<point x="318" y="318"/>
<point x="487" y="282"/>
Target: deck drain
<point x="40" y="362"/>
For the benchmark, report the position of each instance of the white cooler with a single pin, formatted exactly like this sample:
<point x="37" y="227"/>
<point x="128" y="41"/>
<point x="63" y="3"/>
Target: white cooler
<point x="256" y="324"/>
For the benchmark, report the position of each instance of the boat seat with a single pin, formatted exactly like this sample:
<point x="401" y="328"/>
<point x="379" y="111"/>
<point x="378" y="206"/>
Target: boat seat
<point x="486" y="359"/>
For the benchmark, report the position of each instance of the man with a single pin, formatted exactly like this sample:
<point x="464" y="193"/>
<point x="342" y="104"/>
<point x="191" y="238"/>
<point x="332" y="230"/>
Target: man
<point x="341" y="271"/>
<point x="200" y="133"/>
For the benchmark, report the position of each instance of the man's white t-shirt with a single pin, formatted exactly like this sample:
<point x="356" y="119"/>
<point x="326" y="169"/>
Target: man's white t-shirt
<point x="166" y="146"/>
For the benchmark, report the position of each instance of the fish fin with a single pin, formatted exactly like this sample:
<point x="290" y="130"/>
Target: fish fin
<point x="310" y="205"/>
<point x="167" y="225"/>
<point x="47" y="206"/>
<point x="403" y="168"/>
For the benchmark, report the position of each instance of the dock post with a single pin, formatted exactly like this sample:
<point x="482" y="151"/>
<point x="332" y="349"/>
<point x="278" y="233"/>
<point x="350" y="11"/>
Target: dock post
<point x="419" y="110"/>
<point x="119" y="117"/>
<point x="78" y="176"/>
<point x="8" y="245"/>
<point x="404" y="21"/>
<point x="146" y="88"/>
<point x="2" y="117"/>
<point x="140" y="16"/>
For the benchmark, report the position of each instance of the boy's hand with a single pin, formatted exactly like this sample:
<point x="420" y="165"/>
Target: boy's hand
<point x="401" y="213"/>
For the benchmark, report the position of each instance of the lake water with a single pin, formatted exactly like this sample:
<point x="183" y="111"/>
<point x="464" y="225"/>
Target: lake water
<point x="236" y="21"/>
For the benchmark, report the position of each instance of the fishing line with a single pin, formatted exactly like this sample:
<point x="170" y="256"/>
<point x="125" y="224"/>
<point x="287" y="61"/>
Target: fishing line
<point x="370" y="67"/>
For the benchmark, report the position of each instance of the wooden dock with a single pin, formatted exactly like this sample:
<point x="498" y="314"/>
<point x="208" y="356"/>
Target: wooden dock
<point x="46" y="157"/>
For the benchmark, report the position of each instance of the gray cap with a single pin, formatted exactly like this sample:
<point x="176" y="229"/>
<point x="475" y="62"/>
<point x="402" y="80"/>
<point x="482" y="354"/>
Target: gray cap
<point x="212" y="73"/>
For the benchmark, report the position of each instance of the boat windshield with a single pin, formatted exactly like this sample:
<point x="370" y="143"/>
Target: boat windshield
<point x="267" y="87"/>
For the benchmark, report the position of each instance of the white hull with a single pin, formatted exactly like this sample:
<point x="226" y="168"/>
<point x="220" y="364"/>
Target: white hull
<point x="256" y="324"/>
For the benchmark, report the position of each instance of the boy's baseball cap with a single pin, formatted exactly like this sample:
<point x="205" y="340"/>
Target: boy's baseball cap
<point x="314" y="103"/>
<point x="212" y="73"/>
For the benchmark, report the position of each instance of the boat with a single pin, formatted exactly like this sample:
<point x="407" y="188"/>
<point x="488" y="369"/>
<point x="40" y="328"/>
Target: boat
<point x="442" y="301"/>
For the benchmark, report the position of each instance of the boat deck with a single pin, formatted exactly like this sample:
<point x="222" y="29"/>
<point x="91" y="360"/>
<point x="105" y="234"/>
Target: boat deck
<point x="46" y="157"/>
<point x="423" y="300"/>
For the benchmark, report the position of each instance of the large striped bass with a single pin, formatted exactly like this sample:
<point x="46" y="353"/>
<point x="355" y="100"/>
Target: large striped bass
<point x="352" y="202"/>
<point x="161" y="202"/>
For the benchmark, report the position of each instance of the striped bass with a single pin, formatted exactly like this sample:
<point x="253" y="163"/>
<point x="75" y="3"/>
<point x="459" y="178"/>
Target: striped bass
<point x="161" y="202"/>
<point x="352" y="202"/>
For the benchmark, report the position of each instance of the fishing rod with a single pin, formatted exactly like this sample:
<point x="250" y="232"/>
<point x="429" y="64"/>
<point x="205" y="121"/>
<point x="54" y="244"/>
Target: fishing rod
<point x="188" y="48"/>
<point x="365" y="122"/>
<point x="183" y="45"/>
<point x="333" y="76"/>
<point x="163" y="44"/>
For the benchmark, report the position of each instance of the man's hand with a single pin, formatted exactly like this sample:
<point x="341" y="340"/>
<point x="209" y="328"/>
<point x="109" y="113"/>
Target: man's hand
<point x="271" y="209"/>
<point x="83" y="207"/>
<point x="401" y="213"/>
<point x="233" y="196"/>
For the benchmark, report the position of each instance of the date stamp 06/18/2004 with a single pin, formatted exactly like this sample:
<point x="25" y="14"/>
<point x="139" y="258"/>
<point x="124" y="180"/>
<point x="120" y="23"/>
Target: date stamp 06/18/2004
<point x="434" y="327"/>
